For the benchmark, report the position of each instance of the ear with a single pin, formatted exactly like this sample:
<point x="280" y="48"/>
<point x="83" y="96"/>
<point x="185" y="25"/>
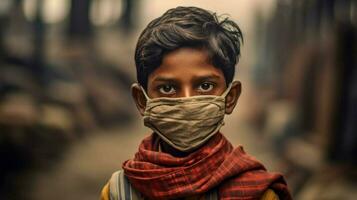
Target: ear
<point x="233" y="96"/>
<point x="139" y="98"/>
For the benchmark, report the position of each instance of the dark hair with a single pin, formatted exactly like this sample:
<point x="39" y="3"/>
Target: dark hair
<point x="188" y="27"/>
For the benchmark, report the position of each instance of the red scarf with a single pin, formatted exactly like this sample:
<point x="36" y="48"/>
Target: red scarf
<point x="159" y="175"/>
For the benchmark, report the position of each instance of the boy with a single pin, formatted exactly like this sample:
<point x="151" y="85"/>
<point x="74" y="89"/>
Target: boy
<point x="185" y="63"/>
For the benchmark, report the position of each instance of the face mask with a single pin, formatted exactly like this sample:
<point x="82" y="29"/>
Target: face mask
<point x="188" y="122"/>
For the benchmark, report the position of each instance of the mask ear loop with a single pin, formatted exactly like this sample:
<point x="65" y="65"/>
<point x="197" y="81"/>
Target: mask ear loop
<point x="142" y="89"/>
<point x="225" y="93"/>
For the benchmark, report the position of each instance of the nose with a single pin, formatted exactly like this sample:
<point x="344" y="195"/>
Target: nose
<point x="187" y="92"/>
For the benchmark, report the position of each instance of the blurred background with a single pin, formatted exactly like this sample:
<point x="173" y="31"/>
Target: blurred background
<point x="67" y="120"/>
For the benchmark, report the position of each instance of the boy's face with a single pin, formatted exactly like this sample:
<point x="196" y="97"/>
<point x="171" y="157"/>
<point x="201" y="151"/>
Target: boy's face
<point x="186" y="72"/>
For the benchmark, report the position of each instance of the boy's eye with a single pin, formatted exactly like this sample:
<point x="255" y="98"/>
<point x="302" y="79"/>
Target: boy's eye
<point x="166" y="89"/>
<point x="205" y="87"/>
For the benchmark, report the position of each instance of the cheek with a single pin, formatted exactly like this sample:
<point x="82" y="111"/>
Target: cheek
<point x="150" y="90"/>
<point x="220" y="88"/>
<point x="151" y="93"/>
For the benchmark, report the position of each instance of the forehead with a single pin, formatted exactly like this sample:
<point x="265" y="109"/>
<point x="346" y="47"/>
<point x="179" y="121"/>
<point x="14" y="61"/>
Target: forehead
<point x="186" y="64"/>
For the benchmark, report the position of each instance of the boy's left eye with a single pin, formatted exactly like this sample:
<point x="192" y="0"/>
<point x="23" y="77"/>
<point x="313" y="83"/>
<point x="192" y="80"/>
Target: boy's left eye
<point x="205" y="87"/>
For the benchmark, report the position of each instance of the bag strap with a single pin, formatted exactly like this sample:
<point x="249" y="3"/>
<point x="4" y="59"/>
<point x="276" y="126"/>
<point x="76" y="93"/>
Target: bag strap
<point x="120" y="188"/>
<point x="115" y="186"/>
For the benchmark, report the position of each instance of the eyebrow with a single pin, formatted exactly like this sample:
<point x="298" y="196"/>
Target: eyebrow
<point x="205" y="77"/>
<point x="173" y="79"/>
<point x="164" y="79"/>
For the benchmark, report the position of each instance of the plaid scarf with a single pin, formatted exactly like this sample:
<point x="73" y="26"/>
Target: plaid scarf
<point x="159" y="175"/>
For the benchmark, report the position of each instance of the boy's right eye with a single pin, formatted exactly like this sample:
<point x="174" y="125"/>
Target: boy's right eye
<point x="166" y="89"/>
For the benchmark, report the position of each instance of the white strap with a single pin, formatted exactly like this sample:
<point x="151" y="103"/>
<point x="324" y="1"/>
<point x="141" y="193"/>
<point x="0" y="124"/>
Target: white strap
<point x="120" y="188"/>
<point x="116" y="186"/>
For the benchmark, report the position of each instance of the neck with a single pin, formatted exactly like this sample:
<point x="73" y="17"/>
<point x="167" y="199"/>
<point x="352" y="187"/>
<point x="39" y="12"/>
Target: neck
<point x="166" y="148"/>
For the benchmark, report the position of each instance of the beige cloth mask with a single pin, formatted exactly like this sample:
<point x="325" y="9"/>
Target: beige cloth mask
<point x="188" y="122"/>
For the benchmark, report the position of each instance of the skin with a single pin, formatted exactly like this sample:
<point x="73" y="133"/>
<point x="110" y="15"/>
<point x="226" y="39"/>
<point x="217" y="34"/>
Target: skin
<point x="186" y="72"/>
